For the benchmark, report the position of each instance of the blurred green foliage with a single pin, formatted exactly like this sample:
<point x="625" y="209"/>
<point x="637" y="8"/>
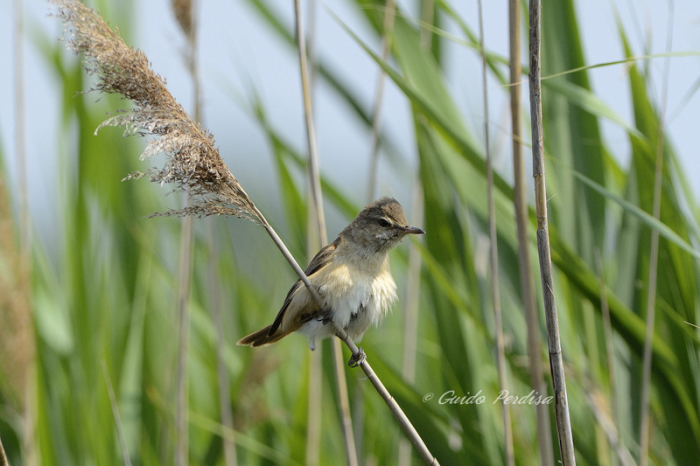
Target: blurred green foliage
<point x="110" y="296"/>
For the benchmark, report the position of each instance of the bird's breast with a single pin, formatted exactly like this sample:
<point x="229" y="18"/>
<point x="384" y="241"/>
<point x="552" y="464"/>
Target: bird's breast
<point x="357" y="292"/>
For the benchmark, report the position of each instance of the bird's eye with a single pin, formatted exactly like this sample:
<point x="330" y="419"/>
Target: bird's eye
<point x="384" y="223"/>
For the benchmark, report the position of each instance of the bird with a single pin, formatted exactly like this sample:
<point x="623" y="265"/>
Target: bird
<point x="352" y="278"/>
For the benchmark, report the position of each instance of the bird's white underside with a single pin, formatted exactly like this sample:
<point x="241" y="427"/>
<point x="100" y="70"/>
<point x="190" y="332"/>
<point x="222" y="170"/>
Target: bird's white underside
<point x="362" y="293"/>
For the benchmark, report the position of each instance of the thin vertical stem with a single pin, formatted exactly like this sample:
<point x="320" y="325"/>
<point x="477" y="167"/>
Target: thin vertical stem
<point x="185" y="274"/>
<point x="25" y="234"/>
<point x="221" y="371"/>
<point x="314" y="171"/>
<point x="20" y="131"/>
<point x="556" y="361"/>
<point x="190" y="30"/>
<point x="410" y="342"/>
<point x="313" y="421"/>
<point x="115" y="413"/>
<point x="183" y="322"/>
<point x="317" y="204"/>
<point x="527" y="281"/>
<point x="351" y="452"/>
<point x="653" y="265"/>
<point x="389" y="13"/>
<point x="3" y="456"/>
<point x="313" y="243"/>
<point x="609" y="348"/>
<point x="311" y="44"/>
<point x="495" y="297"/>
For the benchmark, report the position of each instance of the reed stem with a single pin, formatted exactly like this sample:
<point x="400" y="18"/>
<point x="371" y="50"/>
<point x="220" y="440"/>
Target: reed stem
<point x="644" y="427"/>
<point x="527" y="281"/>
<point x="317" y="205"/>
<point x="389" y="12"/>
<point x="556" y="361"/>
<point x="493" y="237"/>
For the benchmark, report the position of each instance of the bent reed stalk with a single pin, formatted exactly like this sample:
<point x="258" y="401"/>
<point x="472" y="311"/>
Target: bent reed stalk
<point x="193" y="163"/>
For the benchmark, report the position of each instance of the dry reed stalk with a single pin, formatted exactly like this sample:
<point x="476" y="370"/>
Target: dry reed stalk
<point x="183" y="10"/>
<point x="644" y="423"/>
<point x="313" y="244"/>
<point x="410" y="343"/>
<point x="410" y="335"/>
<point x="225" y="410"/>
<point x="313" y="416"/>
<point x="183" y="323"/>
<point x="495" y="297"/>
<point x="193" y="163"/>
<point x="389" y="12"/>
<point x="314" y="177"/>
<point x="527" y="281"/>
<point x="556" y="361"/>
<point x="314" y="171"/>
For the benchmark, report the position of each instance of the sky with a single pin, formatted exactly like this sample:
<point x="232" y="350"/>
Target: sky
<point x="239" y="54"/>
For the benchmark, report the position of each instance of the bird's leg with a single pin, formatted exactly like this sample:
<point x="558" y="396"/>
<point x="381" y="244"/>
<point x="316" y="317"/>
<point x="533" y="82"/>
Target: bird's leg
<point x="357" y="358"/>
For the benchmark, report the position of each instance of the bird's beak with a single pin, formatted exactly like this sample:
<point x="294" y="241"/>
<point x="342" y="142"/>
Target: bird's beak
<point x="413" y="231"/>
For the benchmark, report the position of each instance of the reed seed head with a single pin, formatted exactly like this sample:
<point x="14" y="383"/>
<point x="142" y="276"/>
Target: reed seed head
<point x="193" y="162"/>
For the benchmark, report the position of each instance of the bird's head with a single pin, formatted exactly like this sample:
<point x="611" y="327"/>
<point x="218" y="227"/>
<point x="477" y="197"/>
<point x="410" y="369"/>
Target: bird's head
<point x="380" y="226"/>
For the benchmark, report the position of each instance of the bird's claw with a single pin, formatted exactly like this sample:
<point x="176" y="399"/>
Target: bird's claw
<point x="357" y="358"/>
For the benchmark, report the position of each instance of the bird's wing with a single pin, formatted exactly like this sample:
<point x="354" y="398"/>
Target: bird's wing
<point x="320" y="260"/>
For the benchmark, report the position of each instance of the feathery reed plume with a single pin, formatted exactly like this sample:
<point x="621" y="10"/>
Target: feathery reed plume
<point x="193" y="161"/>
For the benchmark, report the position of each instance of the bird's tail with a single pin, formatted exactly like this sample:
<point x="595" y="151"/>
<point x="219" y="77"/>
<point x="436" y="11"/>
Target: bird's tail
<point x="262" y="337"/>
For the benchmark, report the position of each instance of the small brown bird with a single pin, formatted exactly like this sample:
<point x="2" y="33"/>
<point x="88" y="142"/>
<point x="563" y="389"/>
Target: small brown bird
<point x="352" y="278"/>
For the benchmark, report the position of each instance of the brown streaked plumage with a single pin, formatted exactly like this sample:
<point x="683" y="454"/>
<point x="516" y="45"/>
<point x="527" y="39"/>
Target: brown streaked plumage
<point x="352" y="277"/>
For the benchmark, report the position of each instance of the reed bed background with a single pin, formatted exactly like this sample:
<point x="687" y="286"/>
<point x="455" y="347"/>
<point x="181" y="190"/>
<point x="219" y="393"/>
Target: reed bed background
<point x="90" y="315"/>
